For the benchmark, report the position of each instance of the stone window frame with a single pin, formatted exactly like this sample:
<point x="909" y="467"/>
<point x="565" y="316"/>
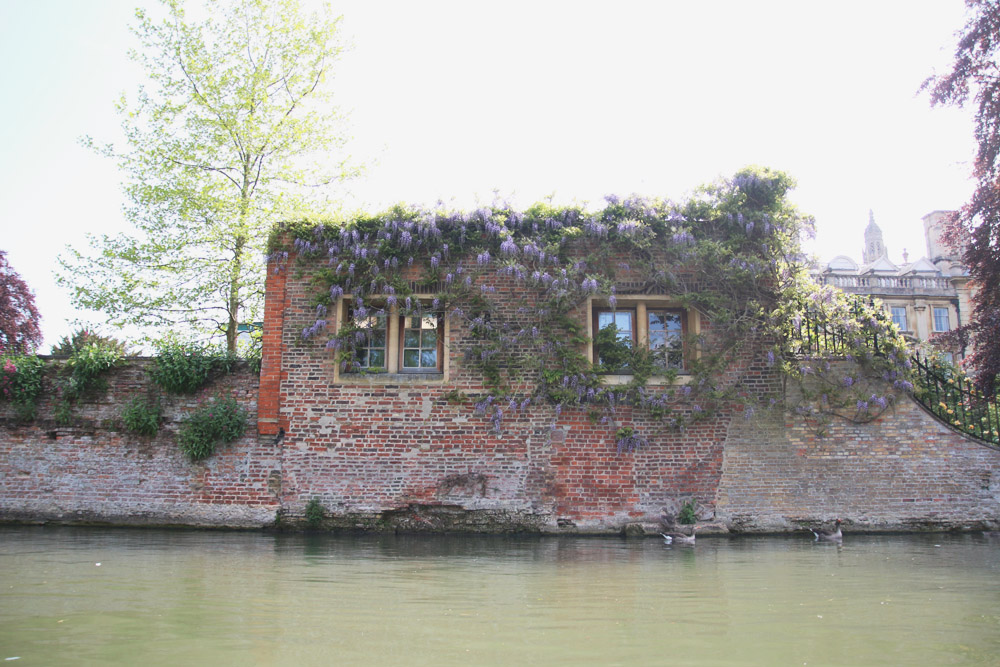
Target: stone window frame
<point x="395" y="372"/>
<point x="641" y="304"/>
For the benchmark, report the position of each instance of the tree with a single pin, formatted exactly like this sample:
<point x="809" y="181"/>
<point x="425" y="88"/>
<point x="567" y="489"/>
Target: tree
<point x="975" y="80"/>
<point x="19" y="332"/>
<point x="226" y="138"/>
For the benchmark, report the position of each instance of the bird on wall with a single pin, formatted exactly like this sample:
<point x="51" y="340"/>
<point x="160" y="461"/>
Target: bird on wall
<point x="280" y="437"/>
<point x="828" y="535"/>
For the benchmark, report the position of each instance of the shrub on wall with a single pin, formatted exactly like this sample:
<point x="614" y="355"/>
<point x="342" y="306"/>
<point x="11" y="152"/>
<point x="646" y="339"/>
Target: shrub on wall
<point x="184" y="368"/>
<point x="217" y="422"/>
<point x="21" y="383"/>
<point x="142" y="417"/>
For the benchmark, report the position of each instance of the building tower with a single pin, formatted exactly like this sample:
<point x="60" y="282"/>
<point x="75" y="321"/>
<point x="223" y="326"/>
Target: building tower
<point x="874" y="244"/>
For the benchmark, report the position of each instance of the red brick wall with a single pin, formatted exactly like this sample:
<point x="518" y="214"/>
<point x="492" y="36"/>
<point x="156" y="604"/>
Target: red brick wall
<point x="380" y="445"/>
<point x="90" y="472"/>
<point x="389" y="453"/>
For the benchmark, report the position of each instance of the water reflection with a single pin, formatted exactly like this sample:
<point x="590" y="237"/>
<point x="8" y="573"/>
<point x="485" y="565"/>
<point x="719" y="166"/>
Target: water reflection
<point x="165" y="597"/>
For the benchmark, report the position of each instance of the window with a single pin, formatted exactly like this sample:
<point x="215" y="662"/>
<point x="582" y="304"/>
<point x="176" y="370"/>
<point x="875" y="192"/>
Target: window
<point x="666" y="337"/>
<point x="421" y="343"/>
<point x="899" y="317"/>
<point x="638" y="323"/>
<point x="370" y="352"/>
<point x="941" y="320"/>
<point x="393" y="343"/>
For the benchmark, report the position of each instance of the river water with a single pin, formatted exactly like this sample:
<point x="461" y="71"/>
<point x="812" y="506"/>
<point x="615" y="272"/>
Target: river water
<point x="149" y="597"/>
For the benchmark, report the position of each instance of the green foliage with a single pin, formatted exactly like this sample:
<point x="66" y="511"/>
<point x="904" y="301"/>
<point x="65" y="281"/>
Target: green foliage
<point x="456" y="397"/>
<point x="234" y="128"/>
<point x="184" y="368"/>
<point x="81" y="338"/>
<point x="219" y="421"/>
<point x="87" y="367"/>
<point x="63" y="412"/>
<point x="614" y="353"/>
<point x="141" y="417"/>
<point x="21" y="383"/>
<point x="315" y="513"/>
<point x="687" y="514"/>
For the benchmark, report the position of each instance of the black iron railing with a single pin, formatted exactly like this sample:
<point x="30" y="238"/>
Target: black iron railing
<point x="813" y="333"/>
<point x="956" y="401"/>
<point x="948" y="395"/>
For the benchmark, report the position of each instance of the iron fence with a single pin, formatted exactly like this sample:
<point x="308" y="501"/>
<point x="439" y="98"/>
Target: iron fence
<point x="948" y="395"/>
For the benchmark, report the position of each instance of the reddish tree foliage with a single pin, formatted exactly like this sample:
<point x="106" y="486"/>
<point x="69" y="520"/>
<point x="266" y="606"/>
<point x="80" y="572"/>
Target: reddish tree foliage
<point x="19" y="332"/>
<point x="975" y="229"/>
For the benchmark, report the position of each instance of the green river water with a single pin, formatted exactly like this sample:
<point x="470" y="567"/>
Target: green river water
<point x="79" y="596"/>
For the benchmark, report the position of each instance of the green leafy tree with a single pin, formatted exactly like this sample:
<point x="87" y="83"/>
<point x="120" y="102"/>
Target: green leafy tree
<point x="232" y="131"/>
<point x="974" y="80"/>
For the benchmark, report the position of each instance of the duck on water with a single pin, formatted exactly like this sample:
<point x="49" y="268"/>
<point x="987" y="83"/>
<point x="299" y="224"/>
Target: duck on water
<point x="679" y="538"/>
<point x="828" y="535"/>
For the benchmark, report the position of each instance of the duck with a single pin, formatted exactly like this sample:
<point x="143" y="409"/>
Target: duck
<point x="679" y="538"/>
<point x="828" y="535"/>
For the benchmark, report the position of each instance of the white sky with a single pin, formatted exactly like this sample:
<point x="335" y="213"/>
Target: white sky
<point x="574" y="99"/>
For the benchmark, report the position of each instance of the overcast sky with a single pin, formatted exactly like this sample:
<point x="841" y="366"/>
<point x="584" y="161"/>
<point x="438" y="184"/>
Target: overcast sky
<point x="575" y="100"/>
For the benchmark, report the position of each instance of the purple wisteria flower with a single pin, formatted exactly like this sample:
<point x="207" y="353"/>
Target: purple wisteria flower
<point x="508" y="247"/>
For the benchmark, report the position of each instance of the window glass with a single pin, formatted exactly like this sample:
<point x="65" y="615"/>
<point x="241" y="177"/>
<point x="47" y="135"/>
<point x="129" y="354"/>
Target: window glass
<point x="899" y="317"/>
<point x="613" y="354"/>
<point x="941" y="320"/>
<point x="370" y="346"/>
<point x="666" y="338"/>
<point x="420" y="343"/>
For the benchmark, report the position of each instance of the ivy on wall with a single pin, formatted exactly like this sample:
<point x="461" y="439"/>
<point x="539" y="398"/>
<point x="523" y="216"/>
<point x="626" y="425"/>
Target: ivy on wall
<point x="730" y="253"/>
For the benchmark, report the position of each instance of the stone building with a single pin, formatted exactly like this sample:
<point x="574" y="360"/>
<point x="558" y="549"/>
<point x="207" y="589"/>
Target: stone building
<point x="923" y="297"/>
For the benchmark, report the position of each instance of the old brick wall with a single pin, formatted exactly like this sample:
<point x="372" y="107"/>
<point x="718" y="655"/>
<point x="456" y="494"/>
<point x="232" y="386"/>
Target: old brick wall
<point x="392" y="451"/>
<point x="903" y="471"/>
<point x="88" y="471"/>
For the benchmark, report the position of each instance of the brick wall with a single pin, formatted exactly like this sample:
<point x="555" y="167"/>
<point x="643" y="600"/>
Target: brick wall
<point x="904" y="471"/>
<point x="387" y="452"/>
<point x="393" y="453"/>
<point x="90" y="472"/>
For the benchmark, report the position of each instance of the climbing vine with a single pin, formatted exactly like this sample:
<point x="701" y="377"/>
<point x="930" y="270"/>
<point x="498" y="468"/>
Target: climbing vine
<point x="518" y="283"/>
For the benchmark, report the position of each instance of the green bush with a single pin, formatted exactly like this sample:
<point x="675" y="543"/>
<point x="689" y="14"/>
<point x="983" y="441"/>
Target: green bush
<point x="219" y="421"/>
<point x="81" y="338"/>
<point x="21" y="383"/>
<point x="687" y="514"/>
<point x="87" y="367"/>
<point x="141" y="417"/>
<point x="184" y="368"/>
<point x="314" y="513"/>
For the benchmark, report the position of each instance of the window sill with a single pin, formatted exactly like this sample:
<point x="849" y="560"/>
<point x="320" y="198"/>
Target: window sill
<point x="615" y="379"/>
<point x="391" y="378"/>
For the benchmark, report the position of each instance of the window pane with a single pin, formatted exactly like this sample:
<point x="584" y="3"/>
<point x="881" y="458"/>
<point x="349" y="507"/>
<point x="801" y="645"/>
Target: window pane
<point x="376" y="358"/>
<point x="429" y="322"/>
<point x="378" y="338"/>
<point x="614" y="354"/>
<point x="899" y="317"/>
<point x="411" y="338"/>
<point x="623" y="320"/>
<point x="428" y="358"/>
<point x="666" y="330"/>
<point x="941" y="320"/>
<point x="411" y="358"/>
<point x="428" y="338"/>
